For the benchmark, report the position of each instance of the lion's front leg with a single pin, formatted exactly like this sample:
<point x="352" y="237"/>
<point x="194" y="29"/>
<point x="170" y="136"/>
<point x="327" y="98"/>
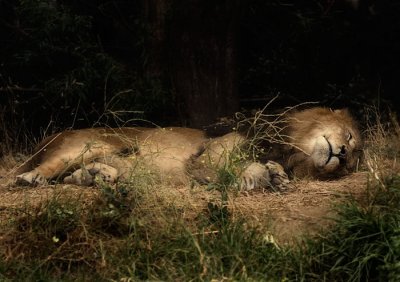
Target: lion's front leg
<point x="269" y="175"/>
<point x="88" y="174"/>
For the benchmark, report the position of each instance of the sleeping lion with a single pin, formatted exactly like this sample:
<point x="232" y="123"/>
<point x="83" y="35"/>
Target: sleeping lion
<point x="316" y="142"/>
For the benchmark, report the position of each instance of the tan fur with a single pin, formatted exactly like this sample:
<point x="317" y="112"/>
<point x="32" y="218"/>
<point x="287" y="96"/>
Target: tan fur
<point x="322" y="143"/>
<point x="329" y="141"/>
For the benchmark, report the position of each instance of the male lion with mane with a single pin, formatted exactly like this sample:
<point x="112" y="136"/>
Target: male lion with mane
<point x="316" y="142"/>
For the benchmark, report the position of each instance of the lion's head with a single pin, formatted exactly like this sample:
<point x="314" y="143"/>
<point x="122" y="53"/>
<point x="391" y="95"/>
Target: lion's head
<point x="324" y="142"/>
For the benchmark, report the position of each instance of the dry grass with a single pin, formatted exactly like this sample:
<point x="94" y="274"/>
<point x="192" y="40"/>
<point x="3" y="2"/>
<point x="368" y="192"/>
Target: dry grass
<point x="382" y="147"/>
<point x="266" y="127"/>
<point x="87" y="232"/>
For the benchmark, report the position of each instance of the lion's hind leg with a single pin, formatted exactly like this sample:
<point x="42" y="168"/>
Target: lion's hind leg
<point x="32" y="177"/>
<point x="40" y="175"/>
<point x="92" y="172"/>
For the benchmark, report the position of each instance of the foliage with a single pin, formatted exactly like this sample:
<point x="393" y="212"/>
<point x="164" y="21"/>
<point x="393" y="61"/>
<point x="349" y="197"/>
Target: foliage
<point x="83" y="63"/>
<point x="325" y="49"/>
<point x="56" y="73"/>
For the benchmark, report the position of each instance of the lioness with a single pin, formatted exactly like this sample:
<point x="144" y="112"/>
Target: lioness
<point x="317" y="142"/>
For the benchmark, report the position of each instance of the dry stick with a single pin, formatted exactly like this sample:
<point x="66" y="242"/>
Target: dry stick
<point x="31" y="157"/>
<point x="274" y="132"/>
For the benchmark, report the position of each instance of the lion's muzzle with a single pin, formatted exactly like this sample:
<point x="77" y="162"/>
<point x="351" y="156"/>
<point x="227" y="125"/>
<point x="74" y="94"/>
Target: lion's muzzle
<point x="326" y="157"/>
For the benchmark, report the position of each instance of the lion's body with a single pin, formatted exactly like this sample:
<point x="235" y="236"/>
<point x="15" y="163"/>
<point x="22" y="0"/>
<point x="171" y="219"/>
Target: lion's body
<point x="167" y="149"/>
<point x="322" y="143"/>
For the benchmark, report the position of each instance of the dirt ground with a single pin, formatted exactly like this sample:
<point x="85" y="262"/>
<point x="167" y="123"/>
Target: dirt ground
<point x="305" y="209"/>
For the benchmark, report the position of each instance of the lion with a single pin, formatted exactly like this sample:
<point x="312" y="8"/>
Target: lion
<point x="316" y="142"/>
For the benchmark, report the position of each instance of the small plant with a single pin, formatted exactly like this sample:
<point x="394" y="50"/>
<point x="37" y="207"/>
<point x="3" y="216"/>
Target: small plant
<point x="112" y="209"/>
<point x="52" y="220"/>
<point x="218" y="214"/>
<point x="227" y="181"/>
<point x="233" y="252"/>
<point x="48" y="236"/>
<point x="364" y="243"/>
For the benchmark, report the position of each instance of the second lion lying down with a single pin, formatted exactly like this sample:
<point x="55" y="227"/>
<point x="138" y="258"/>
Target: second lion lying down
<point x="316" y="142"/>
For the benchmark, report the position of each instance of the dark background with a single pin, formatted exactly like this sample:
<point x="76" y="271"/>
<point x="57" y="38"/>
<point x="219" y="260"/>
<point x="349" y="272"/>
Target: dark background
<point x="81" y="63"/>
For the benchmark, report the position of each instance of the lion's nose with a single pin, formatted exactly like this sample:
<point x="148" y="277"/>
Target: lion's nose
<point x="343" y="151"/>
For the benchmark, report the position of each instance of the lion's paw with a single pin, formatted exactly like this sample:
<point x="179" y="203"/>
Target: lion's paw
<point x="254" y="176"/>
<point x="270" y="175"/>
<point x="278" y="176"/>
<point x="80" y="176"/>
<point x="31" y="178"/>
<point x="87" y="175"/>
